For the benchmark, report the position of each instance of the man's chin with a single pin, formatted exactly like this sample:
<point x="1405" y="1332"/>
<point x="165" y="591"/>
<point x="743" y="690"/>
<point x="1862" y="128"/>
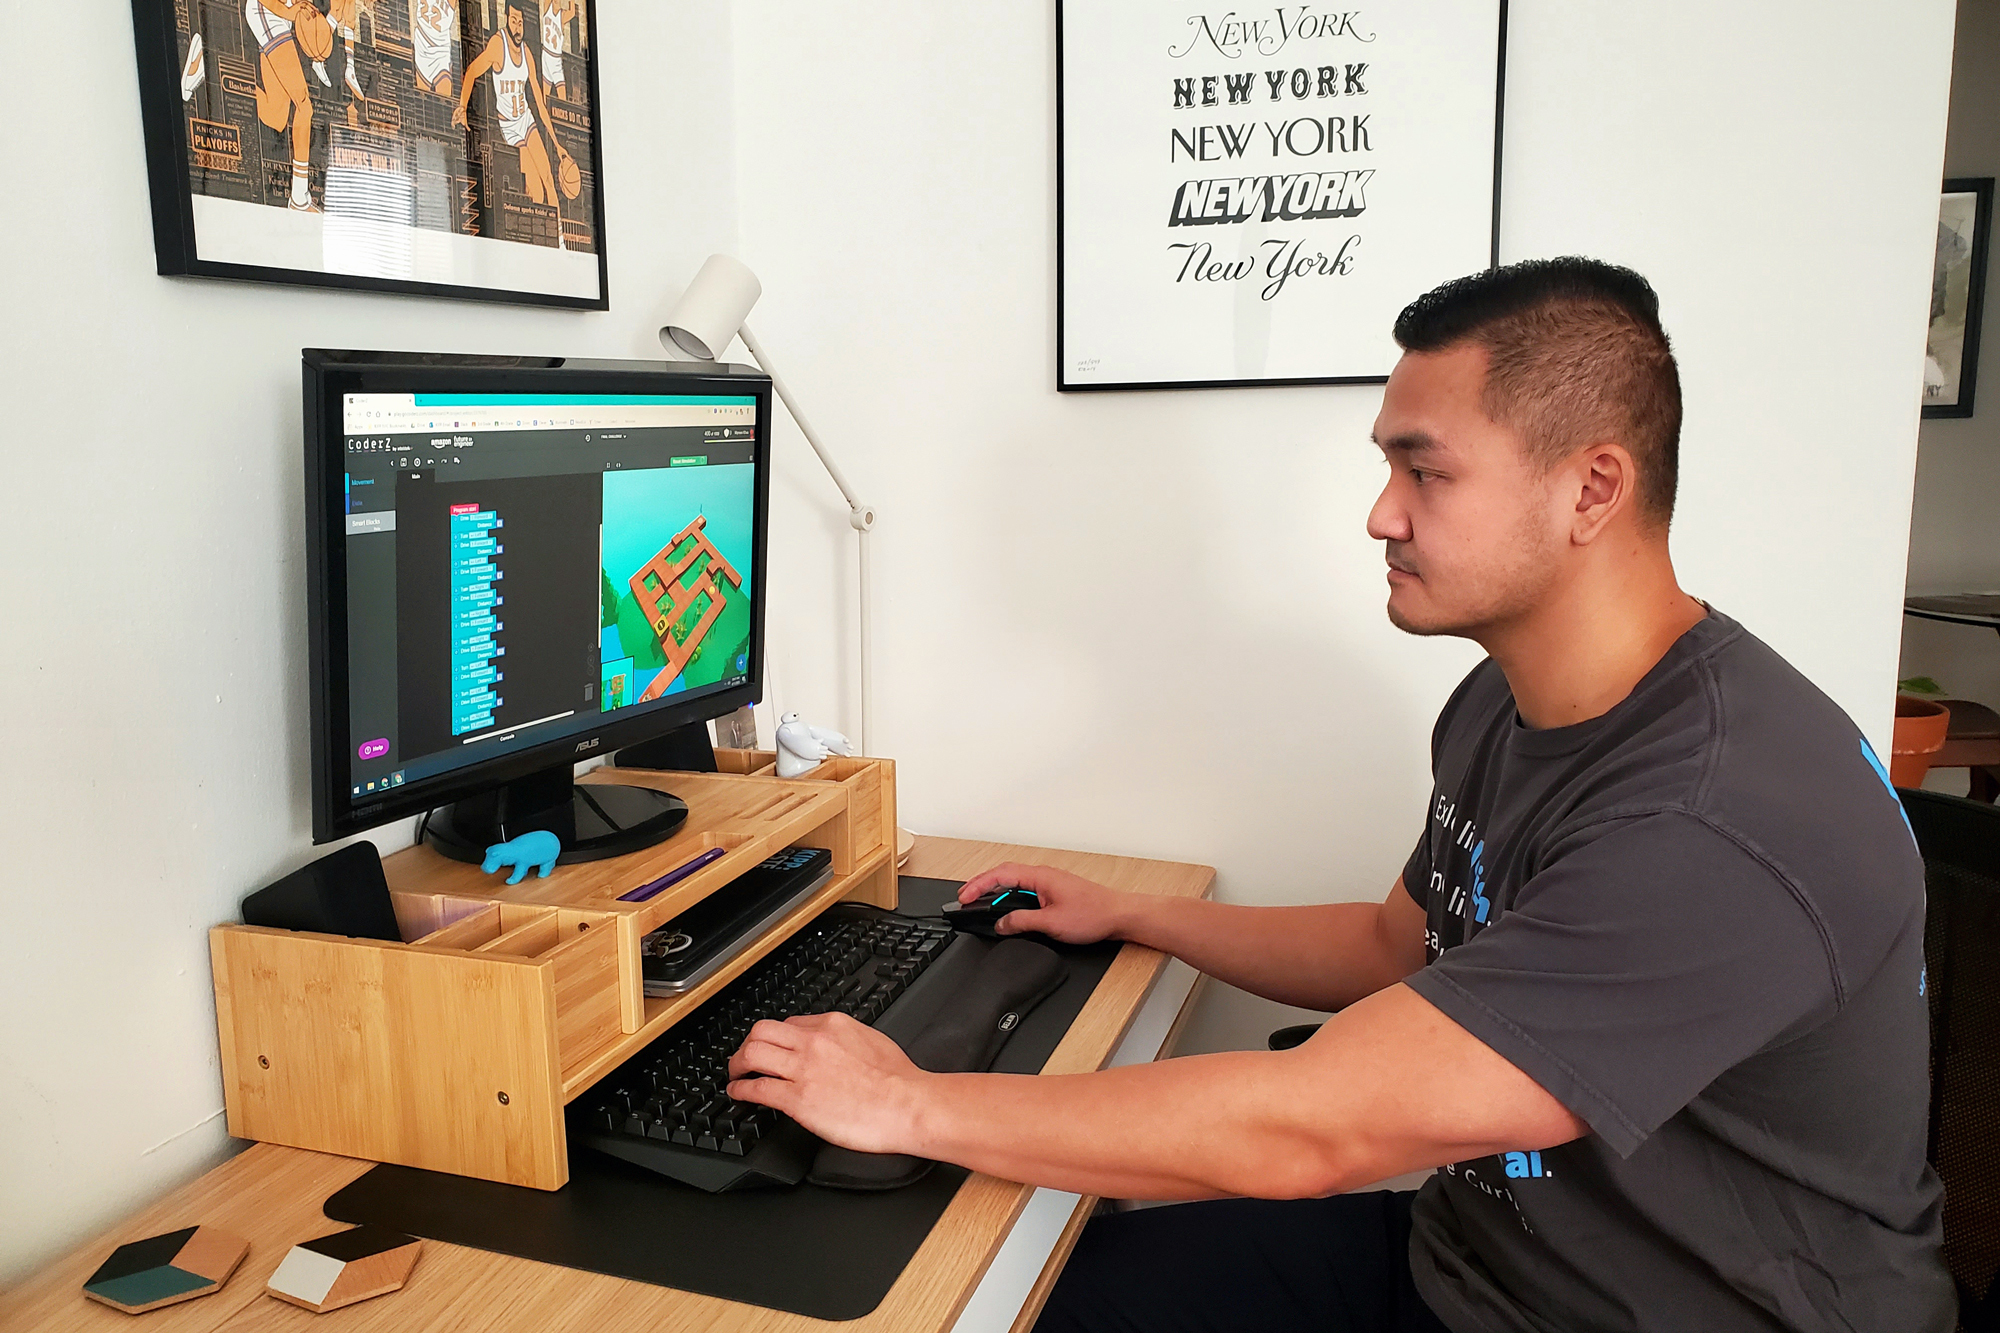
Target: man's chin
<point x="1411" y="622"/>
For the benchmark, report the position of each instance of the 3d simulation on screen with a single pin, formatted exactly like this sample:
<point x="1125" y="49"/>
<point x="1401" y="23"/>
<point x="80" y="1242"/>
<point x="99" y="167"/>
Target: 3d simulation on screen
<point x="675" y="581"/>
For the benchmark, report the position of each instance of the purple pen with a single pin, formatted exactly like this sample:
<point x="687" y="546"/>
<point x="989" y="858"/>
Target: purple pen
<point x="672" y="877"/>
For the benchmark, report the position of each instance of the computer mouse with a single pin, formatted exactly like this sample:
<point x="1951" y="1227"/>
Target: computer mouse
<point x="982" y="914"/>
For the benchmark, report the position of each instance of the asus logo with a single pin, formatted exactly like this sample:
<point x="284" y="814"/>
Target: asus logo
<point x="581" y="746"/>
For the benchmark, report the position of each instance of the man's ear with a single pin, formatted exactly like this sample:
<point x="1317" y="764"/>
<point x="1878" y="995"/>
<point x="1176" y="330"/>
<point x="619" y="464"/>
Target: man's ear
<point x="1606" y="482"/>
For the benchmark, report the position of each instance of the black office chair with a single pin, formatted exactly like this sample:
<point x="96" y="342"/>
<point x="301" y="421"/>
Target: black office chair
<point x="1960" y="841"/>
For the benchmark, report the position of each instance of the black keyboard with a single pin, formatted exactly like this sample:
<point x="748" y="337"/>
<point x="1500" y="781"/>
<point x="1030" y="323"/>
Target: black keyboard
<point x="667" y="1109"/>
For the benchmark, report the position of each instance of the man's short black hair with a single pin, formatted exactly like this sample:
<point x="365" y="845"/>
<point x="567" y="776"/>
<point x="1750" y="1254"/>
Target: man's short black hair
<point x="1575" y="354"/>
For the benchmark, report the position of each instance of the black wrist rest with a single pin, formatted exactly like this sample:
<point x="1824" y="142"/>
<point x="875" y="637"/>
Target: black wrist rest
<point x="964" y="1035"/>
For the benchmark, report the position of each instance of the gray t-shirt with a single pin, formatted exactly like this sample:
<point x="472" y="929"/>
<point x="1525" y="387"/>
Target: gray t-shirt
<point x="1697" y="921"/>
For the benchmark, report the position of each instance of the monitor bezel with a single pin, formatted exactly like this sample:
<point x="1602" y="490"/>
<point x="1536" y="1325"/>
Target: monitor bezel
<point x="328" y="376"/>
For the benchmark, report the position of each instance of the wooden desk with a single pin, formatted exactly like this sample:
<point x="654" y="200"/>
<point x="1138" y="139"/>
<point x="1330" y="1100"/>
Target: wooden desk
<point x="273" y="1195"/>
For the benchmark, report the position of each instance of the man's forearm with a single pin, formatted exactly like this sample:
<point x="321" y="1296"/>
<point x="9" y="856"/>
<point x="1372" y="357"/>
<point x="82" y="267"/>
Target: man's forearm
<point x="1325" y="956"/>
<point x="1192" y="1128"/>
<point x="1388" y="1085"/>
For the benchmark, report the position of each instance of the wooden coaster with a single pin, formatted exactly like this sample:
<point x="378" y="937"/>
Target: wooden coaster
<point x="346" y="1267"/>
<point x="165" y="1269"/>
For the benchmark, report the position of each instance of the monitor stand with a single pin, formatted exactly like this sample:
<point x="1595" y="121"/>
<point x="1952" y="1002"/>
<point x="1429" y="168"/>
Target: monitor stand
<point x="685" y="749"/>
<point x="593" y="820"/>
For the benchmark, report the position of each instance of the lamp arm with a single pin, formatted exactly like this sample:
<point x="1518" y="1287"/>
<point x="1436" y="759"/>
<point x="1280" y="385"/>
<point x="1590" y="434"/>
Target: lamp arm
<point x="867" y="640"/>
<point x="859" y="516"/>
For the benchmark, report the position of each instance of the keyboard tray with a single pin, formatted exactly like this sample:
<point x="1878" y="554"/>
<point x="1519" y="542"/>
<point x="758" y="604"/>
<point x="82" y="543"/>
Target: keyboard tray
<point x="823" y="1253"/>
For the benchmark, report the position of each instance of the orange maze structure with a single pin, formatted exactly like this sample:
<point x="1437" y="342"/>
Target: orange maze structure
<point x="681" y="591"/>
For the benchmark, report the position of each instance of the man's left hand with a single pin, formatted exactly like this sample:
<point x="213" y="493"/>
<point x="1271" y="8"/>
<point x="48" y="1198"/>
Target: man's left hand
<point x="839" y="1078"/>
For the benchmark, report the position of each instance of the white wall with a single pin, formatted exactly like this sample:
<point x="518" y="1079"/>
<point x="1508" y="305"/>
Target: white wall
<point x="1955" y="519"/>
<point x="1046" y="559"/>
<point x="152" y="660"/>
<point x="1041" y="558"/>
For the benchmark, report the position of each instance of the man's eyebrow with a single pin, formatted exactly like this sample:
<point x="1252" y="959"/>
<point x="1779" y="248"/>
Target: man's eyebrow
<point x="1409" y="443"/>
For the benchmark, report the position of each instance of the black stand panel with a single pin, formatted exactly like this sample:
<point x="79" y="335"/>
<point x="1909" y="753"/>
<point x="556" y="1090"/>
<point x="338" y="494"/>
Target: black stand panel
<point x="822" y="1253"/>
<point x="685" y="749"/>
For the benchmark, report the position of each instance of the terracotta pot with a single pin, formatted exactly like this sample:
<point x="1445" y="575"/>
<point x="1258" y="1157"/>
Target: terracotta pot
<point x="1919" y="734"/>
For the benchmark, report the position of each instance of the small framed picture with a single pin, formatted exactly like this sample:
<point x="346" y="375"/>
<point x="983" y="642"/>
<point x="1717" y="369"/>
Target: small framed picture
<point x="1958" y="290"/>
<point x="432" y="147"/>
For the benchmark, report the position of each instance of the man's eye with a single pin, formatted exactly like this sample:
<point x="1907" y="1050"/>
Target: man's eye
<point x="1419" y="476"/>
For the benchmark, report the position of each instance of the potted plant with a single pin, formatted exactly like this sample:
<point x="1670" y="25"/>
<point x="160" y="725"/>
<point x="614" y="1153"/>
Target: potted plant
<point x="1919" y="730"/>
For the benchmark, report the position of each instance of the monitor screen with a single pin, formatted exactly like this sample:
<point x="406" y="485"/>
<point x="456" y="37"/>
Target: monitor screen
<point x="523" y="569"/>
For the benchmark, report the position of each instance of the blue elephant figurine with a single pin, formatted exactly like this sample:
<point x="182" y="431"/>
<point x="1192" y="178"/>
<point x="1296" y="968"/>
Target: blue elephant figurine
<point x="530" y="849"/>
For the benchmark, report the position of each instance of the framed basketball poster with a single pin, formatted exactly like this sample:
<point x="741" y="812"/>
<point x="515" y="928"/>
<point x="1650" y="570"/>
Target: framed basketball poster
<point x="1249" y="197"/>
<point x="434" y="147"/>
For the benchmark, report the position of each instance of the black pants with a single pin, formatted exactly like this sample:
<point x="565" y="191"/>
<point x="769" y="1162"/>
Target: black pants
<point x="1339" y="1265"/>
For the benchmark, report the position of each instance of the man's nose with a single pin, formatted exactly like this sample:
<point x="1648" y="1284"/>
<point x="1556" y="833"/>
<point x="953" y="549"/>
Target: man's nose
<point x="1387" y="522"/>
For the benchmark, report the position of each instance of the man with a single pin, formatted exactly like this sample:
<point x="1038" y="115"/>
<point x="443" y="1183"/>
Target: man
<point x="556" y="15"/>
<point x="283" y="98"/>
<point x="507" y="58"/>
<point x="433" y="37"/>
<point x="1648" y="990"/>
<point x="345" y="16"/>
<point x="194" y="69"/>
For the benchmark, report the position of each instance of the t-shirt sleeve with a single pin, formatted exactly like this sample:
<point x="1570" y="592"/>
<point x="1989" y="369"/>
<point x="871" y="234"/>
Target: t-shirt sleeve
<point x="1644" y="961"/>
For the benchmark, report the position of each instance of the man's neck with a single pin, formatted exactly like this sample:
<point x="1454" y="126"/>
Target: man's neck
<point x="1583" y="650"/>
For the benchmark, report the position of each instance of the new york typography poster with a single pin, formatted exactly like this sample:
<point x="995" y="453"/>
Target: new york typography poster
<point x="1249" y="196"/>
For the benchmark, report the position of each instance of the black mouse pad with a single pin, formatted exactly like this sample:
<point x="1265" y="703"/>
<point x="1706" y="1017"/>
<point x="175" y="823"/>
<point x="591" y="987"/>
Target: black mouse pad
<point x="823" y="1253"/>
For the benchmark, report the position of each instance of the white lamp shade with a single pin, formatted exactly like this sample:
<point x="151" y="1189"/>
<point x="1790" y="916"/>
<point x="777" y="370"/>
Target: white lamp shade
<point x="712" y="309"/>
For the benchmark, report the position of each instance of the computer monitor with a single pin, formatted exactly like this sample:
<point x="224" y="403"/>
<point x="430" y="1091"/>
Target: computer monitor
<point x="515" y="564"/>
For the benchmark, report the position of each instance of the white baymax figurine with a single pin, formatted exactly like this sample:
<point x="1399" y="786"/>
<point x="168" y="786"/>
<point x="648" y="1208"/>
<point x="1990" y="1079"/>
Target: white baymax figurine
<point x="801" y="746"/>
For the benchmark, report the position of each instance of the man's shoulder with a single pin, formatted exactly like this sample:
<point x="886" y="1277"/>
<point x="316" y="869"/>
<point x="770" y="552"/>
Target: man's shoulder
<point x="1743" y="742"/>
<point x="1794" y="777"/>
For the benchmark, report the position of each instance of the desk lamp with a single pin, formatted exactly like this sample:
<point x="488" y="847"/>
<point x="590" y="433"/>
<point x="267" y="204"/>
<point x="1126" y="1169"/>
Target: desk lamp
<point x="709" y="315"/>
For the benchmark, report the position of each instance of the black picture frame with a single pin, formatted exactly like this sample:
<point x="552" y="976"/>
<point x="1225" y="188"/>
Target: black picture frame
<point x="162" y="29"/>
<point x="1973" y="266"/>
<point x="1063" y="380"/>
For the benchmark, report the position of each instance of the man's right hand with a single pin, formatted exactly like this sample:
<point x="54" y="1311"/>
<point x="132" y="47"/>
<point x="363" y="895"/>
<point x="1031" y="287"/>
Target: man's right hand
<point x="1074" y="910"/>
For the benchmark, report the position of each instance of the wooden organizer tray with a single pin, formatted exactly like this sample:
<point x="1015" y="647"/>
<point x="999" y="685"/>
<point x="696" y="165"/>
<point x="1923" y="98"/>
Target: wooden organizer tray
<point x="457" y="1048"/>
